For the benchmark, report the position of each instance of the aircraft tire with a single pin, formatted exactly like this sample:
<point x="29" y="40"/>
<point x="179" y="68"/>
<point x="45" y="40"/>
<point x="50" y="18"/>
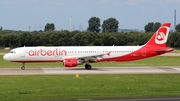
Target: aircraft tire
<point x="22" y="68"/>
<point x="88" y="67"/>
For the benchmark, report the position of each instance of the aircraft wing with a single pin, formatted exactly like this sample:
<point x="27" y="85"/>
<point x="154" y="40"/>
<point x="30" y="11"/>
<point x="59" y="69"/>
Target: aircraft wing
<point x="166" y="49"/>
<point x="90" y="57"/>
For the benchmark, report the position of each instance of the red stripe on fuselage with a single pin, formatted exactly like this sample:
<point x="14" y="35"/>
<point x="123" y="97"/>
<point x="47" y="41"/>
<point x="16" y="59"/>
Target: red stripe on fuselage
<point x="33" y="61"/>
<point x="144" y="52"/>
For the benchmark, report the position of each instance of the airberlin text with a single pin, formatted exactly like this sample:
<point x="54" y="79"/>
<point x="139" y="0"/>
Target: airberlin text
<point x="42" y="52"/>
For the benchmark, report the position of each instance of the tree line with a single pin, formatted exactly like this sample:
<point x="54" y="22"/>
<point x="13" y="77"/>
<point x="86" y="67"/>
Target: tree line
<point x="110" y="25"/>
<point x="96" y="35"/>
<point x="76" y="38"/>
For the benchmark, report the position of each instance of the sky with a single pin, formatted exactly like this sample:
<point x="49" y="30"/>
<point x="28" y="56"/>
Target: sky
<point x="30" y="15"/>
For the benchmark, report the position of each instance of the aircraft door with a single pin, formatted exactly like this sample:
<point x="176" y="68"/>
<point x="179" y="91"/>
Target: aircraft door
<point x="22" y="53"/>
<point x="143" y="51"/>
<point x="98" y="51"/>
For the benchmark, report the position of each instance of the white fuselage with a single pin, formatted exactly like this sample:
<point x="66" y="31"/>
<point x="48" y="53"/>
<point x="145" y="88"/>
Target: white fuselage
<point x="59" y="53"/>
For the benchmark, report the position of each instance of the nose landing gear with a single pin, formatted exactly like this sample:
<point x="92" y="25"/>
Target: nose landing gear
<point x="23" y="66"/>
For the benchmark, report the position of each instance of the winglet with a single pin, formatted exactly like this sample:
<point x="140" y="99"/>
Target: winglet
<point x="108" y="53"/>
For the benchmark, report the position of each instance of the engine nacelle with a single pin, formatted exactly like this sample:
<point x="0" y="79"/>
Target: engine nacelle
<point x="71" y="62"/>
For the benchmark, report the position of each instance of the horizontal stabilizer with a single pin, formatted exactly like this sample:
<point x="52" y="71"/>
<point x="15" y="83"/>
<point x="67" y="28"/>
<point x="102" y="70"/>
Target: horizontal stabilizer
<point x="166" y="49"/>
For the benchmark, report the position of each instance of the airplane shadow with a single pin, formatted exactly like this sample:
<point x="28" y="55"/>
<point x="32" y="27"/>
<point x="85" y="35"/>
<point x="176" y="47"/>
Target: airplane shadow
<point x="93" y="69"/>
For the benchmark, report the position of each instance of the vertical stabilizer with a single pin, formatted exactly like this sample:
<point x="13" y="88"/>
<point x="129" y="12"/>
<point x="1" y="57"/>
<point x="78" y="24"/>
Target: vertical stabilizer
<point x="160" y="36"/>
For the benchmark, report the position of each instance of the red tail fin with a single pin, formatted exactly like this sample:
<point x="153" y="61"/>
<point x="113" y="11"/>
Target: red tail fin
<point x="160" y="36"/>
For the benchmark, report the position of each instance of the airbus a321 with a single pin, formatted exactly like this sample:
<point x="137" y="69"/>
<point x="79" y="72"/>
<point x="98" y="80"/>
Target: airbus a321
<point x="71" y="56"/>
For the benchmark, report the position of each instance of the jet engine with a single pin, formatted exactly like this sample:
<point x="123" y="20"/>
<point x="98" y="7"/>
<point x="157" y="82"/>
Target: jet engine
<point x="71" y="62"/>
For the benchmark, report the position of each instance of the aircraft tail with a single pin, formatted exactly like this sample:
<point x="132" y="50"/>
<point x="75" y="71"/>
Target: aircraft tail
<point x="160" y="36"/>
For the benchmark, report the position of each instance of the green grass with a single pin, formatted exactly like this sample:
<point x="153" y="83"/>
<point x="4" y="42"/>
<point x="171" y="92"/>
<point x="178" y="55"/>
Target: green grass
<point x="154" y="61"/>
<point x="56" y="87"/>
<point x="4" y="51"/>
<point x="176" y="51"/>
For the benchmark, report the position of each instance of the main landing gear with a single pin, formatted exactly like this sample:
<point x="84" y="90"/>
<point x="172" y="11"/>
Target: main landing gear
<point x="23" y="66"/>
<point x="87" y="66"/>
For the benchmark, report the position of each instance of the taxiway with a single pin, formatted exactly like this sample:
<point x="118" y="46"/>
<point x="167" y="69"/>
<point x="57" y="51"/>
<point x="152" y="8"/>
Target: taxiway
<point x="95" y="70"/>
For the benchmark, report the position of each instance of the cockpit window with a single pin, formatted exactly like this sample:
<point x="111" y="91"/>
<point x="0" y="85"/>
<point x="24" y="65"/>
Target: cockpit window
<point x="12" y="52"/>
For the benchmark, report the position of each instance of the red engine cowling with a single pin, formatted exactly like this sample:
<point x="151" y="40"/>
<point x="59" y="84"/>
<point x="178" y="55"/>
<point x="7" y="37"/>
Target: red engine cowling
<point x="70" y="62"/>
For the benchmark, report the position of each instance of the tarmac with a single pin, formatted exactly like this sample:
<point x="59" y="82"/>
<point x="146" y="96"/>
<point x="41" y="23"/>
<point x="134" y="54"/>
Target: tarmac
<point x="95" y="70"/>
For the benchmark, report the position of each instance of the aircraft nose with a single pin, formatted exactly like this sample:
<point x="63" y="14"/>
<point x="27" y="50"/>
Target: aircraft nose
<point x="5" y="57"/>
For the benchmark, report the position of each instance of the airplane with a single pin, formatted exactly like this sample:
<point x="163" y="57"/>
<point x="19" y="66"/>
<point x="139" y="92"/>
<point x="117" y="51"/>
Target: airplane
<point x="71" y="56"/>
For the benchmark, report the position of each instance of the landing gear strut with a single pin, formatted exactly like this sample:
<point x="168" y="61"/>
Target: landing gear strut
<point x="87" y="66"/>
<point x="23" y="66"/>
